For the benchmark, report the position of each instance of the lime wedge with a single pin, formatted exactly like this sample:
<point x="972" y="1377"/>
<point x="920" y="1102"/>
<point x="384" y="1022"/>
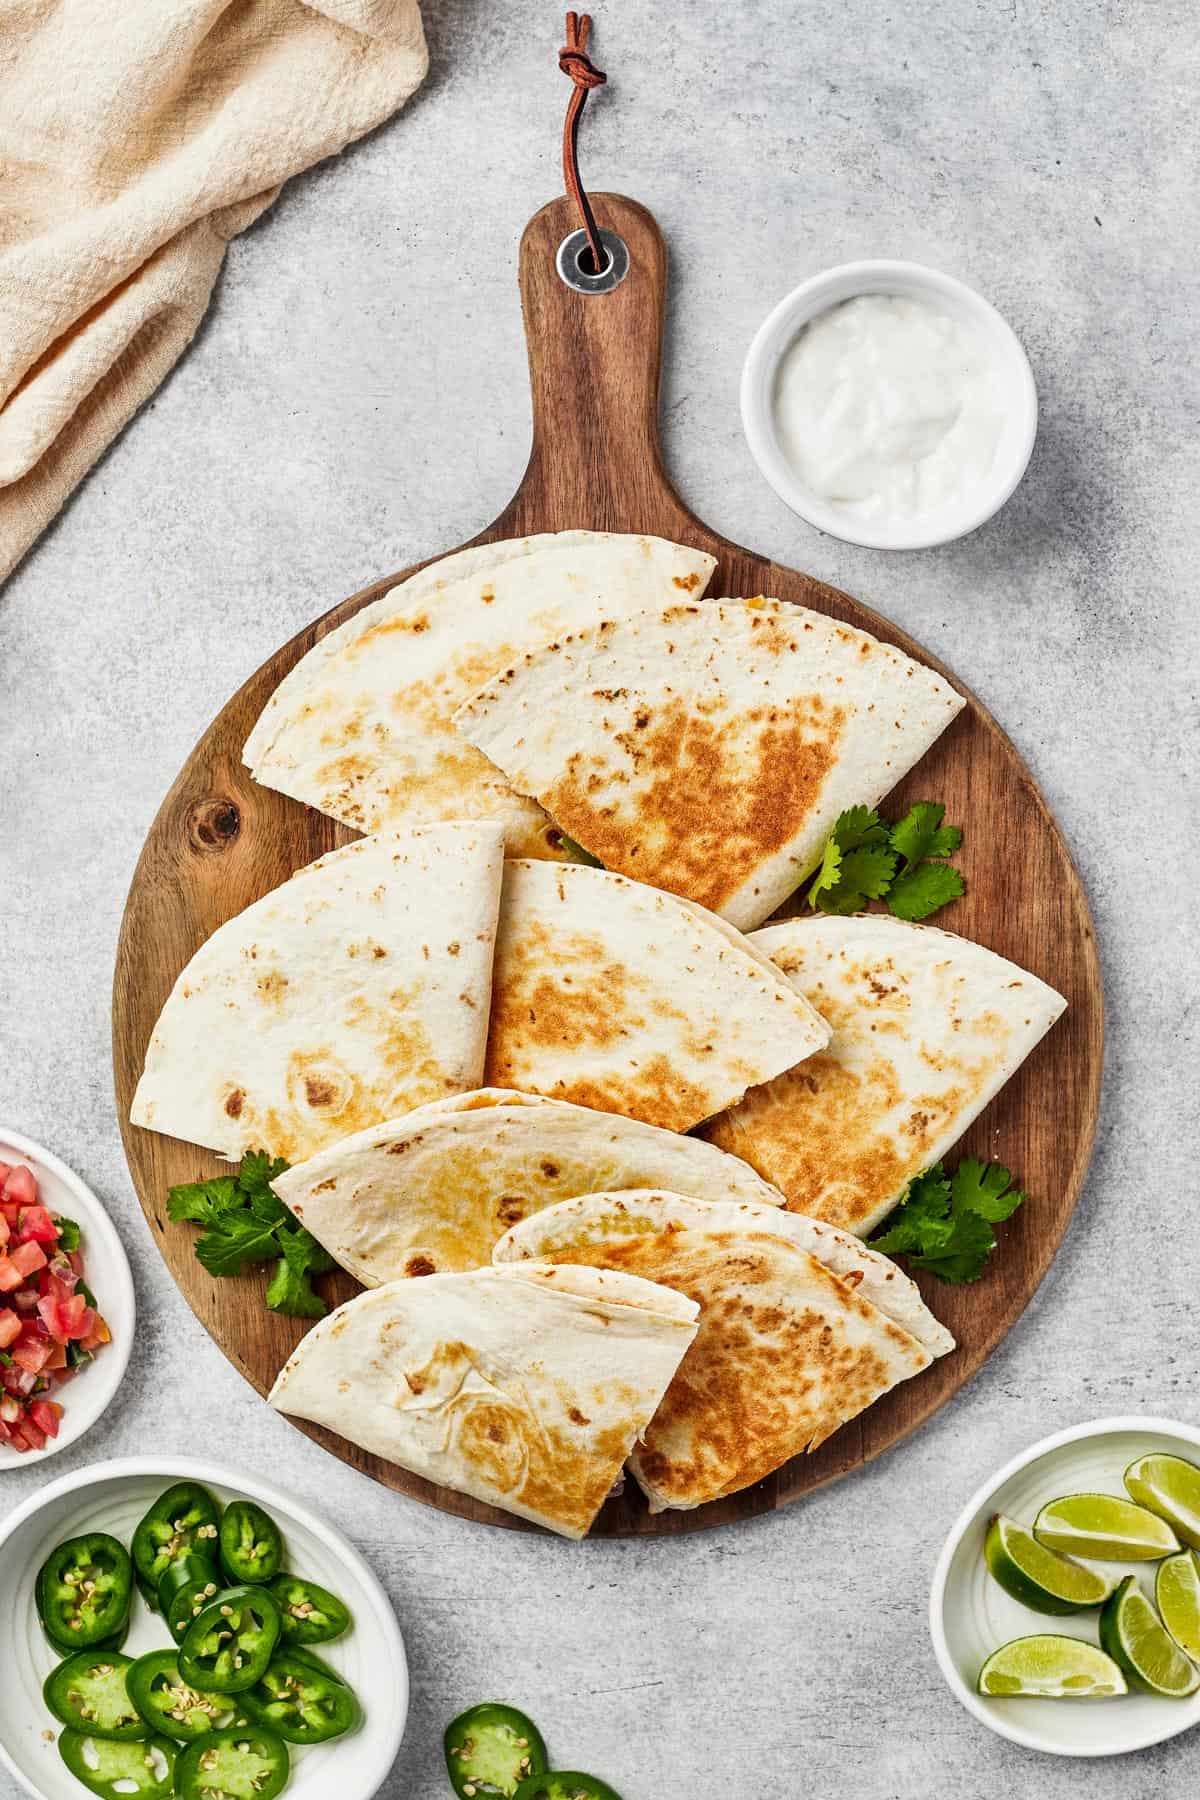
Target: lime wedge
<point x="1170" y="1487"/>
<point x="1039" y="1578"/>
<point x="1050" y="1668"/>
<point x="1101" y="1525"/>
<point x="1177" y="1595"/>
<point x="1132" y="1633"/>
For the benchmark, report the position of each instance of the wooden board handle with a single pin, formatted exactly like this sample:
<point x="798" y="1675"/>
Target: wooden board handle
<point x="594" y="365"/>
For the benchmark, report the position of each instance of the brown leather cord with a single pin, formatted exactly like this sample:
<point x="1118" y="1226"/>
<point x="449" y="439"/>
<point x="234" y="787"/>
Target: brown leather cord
<point x="574" y="61"/>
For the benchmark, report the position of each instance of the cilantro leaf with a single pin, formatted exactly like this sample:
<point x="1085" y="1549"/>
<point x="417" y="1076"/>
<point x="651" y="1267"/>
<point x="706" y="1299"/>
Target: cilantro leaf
<point x="912" y="836"/>
<point x="235" y="1240"/>
<point x="245" y="1222"/>
<point x="965" y="1256"/>
<point x="868" y="870"/>
<point x="290" y="1289"/>
<point x="986" y="1189"/>
<point x="944" y="1222"/>
<point x="826" y="878"/>
<point x="946" y="841"/>
<point x="857" y="827"/>
<point x="921" y="891"/>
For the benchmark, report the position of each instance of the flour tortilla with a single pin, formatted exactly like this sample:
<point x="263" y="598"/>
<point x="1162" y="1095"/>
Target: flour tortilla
<point x="786" y="1352"/>
<point x="524" y="1387"/>
<point x="355" y="991"/>
<point x="927" y="1028"/>
<point x="598" y="1218"/>
<point x="360" y="728"/>
<point x="616" y="996"/>
<point x="709" y="749"/>
<point x="431" y="1192"/>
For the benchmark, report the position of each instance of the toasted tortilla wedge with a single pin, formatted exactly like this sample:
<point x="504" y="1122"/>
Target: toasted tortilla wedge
<point x="361" y="729"/>
<point x="431" y="1192"/>
<point x="709" y="749"/>
<point x="355" y="991"/>
<point x="524" y="1387"/>
<point x="616" y="996"/>
<point x="785" y="1352"/>
<point x="927" y="1028"/>
<point x="601" y="1218"/>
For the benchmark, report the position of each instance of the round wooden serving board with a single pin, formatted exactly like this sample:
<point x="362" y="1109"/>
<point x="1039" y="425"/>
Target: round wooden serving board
<point x="220" y="841"/>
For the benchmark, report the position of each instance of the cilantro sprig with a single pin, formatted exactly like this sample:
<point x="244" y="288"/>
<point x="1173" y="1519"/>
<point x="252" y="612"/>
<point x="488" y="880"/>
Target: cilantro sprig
<point x="944" y="1222"/>
<point x="245" y="1222"/>
<point x="903" y="864"/>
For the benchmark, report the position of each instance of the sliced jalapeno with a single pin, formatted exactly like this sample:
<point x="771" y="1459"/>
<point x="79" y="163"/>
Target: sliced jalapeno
<point x="303" y="1704"/>
<point x="228" y="1647"/>
<point x="244" y="1762"/>
<point x="565" y="1784"/>
<point x="310" y="1614"/>
<point x="143" y="1771"/>
<point x="184" y="1518"/>
<point x="83" y="1591"/>
<point x="251" y="1547"/>
<point x="490" y="1749"/>
<point x="188" y="1584"/>
<point x="172" y="1706"/>
<point x="88" y="1691"/>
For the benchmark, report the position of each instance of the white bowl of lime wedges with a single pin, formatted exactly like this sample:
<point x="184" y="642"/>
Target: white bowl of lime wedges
<point x="1063" y="1667"/>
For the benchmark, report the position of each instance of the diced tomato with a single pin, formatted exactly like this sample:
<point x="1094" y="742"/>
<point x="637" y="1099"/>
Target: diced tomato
<point x="34" y="1437"/>
<point x="31" y="1354"/>
<point x="48" y="1311"/>
<point x="28" y="1258"/>
<point x="10" y="1276"/>
<point x="45" y="1414"/>
<point x="5" y="1171"/>
<point x="10" y="1409"/>
<point x="20" y="1188"/>
<point x="5" y="1229"/>
<point x="97" y="1336"/>
<point x="36" y="1222"/>
<point x="10" y="1327"/>
<point x="57" y="1358"/>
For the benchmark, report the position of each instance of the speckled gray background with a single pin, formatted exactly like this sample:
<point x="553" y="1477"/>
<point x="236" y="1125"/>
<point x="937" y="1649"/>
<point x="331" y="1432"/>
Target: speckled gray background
<point x="356" y="400"/>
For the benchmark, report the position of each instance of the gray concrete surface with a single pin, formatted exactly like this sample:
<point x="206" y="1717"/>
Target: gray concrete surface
<point x="356" y="400"/>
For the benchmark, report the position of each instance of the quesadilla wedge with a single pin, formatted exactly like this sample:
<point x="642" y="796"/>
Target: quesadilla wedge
<point x="927" y="1027"/>
<point x="784" y="1354"/>
<point x="616" y="996"/>
<point x="709" y="749"/>
<point x="361" y="729"/>
<point x="355" y="991"/>
<point x="598" y="1218"/>
<point x="524" y="1387"/>
<point x="431" y="1192"/>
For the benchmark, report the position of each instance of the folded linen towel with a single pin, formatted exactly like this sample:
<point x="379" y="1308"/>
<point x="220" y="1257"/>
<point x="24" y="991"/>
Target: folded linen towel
<point x="136" y="138"/>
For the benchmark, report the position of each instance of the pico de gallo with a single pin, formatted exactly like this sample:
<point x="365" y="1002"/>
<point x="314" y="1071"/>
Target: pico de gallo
<point x="50" y="1326"/>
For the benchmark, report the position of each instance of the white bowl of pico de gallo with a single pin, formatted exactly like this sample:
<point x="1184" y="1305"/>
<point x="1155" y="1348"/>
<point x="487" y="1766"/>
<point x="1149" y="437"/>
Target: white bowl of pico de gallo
<point x="66" y="1304"/>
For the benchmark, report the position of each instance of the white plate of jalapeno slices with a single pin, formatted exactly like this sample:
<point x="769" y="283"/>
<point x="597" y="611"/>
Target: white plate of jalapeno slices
<point x="177" y="1629"/>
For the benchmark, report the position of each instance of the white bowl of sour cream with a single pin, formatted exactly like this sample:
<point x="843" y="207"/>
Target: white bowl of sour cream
<point x="889" y="405"/>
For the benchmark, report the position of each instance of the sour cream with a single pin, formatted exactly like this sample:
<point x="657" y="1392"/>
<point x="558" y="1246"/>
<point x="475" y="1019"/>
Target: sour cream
<point x="890" y="408"/>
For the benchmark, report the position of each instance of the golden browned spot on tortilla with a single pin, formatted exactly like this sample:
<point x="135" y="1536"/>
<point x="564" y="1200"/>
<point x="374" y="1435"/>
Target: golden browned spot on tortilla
<point x="234" y="1102"/>
<point x="325" y="1187"/>
<point x="711" y="801"/>
<point x="420" y="1265"/>
<point x="687" y="582"/>
<point x="511" y="1209"/>
<point x="576" y="1417"/>
<point x="767" y="1377"/>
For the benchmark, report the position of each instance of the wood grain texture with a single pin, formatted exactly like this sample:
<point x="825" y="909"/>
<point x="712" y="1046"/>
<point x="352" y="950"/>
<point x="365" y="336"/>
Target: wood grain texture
<point x="220" y="842"/>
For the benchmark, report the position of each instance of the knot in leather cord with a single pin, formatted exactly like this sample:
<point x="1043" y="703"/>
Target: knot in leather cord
<point x="574" y="61"/>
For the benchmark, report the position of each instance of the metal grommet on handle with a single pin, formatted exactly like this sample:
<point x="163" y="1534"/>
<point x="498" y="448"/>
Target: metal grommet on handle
<point x="574" y="262"/>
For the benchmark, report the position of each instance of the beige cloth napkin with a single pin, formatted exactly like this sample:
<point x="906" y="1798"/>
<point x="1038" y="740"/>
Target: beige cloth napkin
<point x="136" y="138"/>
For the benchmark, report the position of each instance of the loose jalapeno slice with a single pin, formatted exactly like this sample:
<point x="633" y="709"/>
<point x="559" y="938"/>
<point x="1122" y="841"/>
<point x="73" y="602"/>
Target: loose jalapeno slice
<point x="143" y="1771"/>
<point x="251" y="1547"/>
<point x="245" y="1762"/>
<point x="88" y="1691"/>
<point x="185" y="1517"/>
<point x="171" y="1705"/>
<point x="565" y="1784"/>
<point x="490" y="1749"/>
<point x="83" y="1591"/>
<point x="228" y="1647"/>
<point x="303" y="1704"/>
<point x="310" y="1614"/>
<point x="299" y="1653"/>
<point x="187" y="1586"/>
